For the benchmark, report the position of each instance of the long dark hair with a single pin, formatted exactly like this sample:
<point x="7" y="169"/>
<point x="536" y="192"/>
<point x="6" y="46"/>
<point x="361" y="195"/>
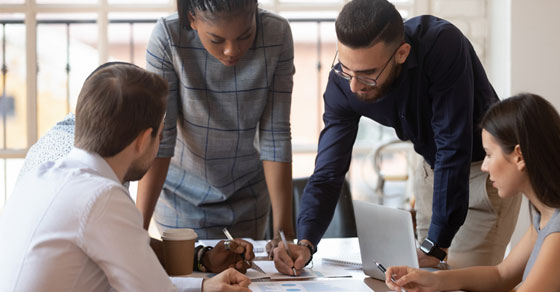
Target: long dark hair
<point x="531" y="122"/>
<point x="186" y="7"/>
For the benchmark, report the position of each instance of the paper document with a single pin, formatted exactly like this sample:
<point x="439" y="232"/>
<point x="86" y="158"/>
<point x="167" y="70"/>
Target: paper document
<point x="346" y="285"/>
<point x="352" y="259"/>
<point x="259" y="246"/>
<point x="340" y="262"/>
<point x="271" y="273"/>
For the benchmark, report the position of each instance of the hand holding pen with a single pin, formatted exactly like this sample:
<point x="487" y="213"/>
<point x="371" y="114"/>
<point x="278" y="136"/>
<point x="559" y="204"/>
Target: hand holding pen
<point x="228" y="254"/>
<point x="285" y="242"/>
<point x="382" y="268"/>
<point x="247" y="258"/>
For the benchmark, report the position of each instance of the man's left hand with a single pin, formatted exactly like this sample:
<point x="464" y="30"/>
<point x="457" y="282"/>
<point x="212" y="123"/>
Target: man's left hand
<point x="272" y="244"/>
<point x="427" y="261"/>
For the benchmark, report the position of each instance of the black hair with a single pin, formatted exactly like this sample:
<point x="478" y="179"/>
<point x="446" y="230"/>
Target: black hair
<point x="531" y="122"/>
<point x="186" y="7"/>
<point x="364" y="23"/>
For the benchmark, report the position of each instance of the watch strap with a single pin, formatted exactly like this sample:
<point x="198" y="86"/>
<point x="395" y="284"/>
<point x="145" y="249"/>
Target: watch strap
<point x="438" y="253"/>
<point x="311" y="251"/>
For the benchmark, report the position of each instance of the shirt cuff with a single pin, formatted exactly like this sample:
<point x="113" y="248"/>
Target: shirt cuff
<point x="187" y="284"/>
<point x="442" y="236"/>
<point x="307" y="233"/>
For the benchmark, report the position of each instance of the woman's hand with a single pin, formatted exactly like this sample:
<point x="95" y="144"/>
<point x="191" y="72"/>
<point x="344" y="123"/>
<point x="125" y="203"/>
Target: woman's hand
<point x="411" y="279"/>
<point x="237" y="255"/>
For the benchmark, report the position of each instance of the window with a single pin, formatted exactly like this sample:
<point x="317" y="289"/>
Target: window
<point x="64" y="40"/>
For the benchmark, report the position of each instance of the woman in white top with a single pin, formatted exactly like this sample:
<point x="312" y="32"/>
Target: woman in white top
<point x="520" y="136"/>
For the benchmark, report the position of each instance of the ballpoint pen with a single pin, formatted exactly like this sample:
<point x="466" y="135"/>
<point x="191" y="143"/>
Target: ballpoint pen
<point x="287" y="248"/>
<point x="382" y="268"/>
<point x="252" y="265"/>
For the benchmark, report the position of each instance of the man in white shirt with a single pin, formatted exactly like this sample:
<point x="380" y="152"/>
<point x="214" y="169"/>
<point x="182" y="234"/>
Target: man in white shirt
<point x="70" y="225"/>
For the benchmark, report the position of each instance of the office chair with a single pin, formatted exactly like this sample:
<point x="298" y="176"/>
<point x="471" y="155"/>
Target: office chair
<point x="342" y="224"/>
<point x="390" y="148"/>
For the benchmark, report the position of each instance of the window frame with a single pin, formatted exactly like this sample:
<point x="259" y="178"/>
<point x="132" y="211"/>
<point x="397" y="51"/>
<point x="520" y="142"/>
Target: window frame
<point x="30" y="9"/>
<point x="102" y="9"/>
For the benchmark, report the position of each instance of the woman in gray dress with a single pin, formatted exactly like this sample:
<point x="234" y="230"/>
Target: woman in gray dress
<point x="225" y="156"/>
<point x="521" y="136"/>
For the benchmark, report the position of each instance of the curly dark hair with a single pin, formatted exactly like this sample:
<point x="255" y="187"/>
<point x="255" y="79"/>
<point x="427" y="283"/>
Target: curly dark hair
<point x="186" y="7"/>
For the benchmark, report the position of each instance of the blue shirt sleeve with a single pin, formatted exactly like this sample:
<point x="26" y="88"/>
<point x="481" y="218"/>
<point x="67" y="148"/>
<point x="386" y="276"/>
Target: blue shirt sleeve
<point x="333" y="160"/>
<point x="449" y="70"/>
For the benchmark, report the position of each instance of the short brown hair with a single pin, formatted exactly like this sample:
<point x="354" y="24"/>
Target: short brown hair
<point x="115" y="105"/>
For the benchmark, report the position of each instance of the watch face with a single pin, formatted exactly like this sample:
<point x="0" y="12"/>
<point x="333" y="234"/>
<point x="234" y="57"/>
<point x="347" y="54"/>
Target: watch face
<point x="426" y="246"/>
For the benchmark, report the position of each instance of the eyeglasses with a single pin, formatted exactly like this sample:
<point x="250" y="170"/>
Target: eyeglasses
<point x="364" y="80"/>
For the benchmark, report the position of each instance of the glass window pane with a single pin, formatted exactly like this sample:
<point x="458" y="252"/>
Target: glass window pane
<point x="152" y="2"/>
<point x="58" y="89"/>
<point x="13" y="1"/>
<point x="129" y="35"/>
<point x="65" y="1"/>
<point x="13" y="90"/>
<point x="310" y="1"/>
<point x="309" y="81"/>
<point x="303" y="164"/>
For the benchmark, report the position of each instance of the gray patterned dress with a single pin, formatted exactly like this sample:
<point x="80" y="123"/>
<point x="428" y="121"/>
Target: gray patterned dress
<point x="221" y="123"/>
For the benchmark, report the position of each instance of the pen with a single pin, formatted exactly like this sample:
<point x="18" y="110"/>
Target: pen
<point x="382" y="268"/>
<point x="287" y="248"/>
<point x="251" y="264"/>
<point x="228" y="235"/>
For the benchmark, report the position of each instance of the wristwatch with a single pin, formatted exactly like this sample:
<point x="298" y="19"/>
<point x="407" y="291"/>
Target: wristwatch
<point x="311" y="250"/>
<point x="430" y="248"/>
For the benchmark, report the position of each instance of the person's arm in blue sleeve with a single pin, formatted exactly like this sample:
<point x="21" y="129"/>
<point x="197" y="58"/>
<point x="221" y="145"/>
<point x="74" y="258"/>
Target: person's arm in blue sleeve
<point x="449" y="68"/>
<point x="333" y="160"/>
<point x="323" y="188"/>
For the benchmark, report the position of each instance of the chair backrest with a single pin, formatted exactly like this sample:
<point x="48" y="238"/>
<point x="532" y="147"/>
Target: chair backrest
<point x="342" y="224"/>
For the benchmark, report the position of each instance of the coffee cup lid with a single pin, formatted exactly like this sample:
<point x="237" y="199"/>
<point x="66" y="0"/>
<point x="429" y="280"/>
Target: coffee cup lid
<point x="179" y="234"/>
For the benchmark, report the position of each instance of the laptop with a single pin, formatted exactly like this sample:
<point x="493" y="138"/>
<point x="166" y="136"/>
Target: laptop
<point x="386" y="236"/>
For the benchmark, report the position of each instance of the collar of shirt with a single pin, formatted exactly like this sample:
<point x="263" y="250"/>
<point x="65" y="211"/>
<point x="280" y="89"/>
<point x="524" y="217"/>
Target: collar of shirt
<point x="412" y="60"/>
<point x="93" y="161"/>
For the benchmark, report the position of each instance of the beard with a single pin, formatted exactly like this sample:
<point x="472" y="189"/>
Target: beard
<point x="136" y="171"/>
<point x="376" y="92"/>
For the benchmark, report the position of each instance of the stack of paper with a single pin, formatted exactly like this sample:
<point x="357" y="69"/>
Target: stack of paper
<point x="345" y="285"/>
<point x="271" y="273"/>
<point x="259" y="246"/>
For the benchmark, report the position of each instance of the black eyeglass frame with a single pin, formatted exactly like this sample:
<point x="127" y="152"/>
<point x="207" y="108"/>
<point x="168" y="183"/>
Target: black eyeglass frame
<point x="364" y="80"/>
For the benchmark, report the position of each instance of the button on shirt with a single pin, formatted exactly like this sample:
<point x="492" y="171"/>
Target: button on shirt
<point x="71" y="226"/>
<point x="437" y="103"/>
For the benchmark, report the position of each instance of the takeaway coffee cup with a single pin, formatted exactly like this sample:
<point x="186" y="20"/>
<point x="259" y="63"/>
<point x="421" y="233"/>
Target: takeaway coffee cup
<point x="178" y="250"/>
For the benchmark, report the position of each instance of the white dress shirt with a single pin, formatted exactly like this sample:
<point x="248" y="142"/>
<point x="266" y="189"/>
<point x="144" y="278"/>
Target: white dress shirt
<point x="70" y="225"/>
